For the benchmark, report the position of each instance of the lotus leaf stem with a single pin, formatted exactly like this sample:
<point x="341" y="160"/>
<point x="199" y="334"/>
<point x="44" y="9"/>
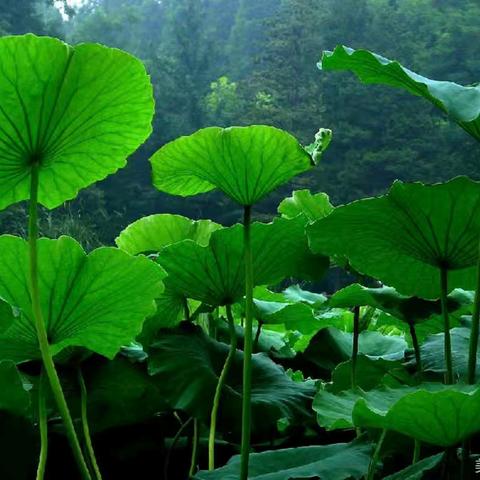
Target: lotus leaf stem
<point x="446" y="326"/>
<point x="41" y="330"/>
<point x="86" y="428"/>
<point x="416" y="451"/>
<point x="248" y="344"/>
<point x="43" y="425"/>
<point x="257" y="335"/>
<point x="193" y="461"/>
<point x="220" y="384"/>
<point x="183" y="426"/>
<point x="356" y="333"/>
<point x="376" y="455"/>
<point x="416" y="346"/>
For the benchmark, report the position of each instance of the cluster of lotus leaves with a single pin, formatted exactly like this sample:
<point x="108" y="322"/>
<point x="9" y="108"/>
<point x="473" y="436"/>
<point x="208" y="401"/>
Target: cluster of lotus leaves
<point x="78" y="113"/>
<point x="408" y="236"/>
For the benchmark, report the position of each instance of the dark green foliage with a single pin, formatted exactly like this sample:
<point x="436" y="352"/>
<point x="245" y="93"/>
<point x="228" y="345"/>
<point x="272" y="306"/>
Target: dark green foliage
<point x="265" y="52"/>
<point x="190" y="342"/>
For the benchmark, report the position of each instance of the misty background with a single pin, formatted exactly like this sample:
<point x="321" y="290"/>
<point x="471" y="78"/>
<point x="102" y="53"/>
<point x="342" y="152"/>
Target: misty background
<point x="240" y="62"/>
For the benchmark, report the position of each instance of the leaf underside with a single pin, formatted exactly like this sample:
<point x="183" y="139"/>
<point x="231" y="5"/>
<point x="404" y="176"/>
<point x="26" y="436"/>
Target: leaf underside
<point x="407" y="236"/>
<point x="78" y="112"/>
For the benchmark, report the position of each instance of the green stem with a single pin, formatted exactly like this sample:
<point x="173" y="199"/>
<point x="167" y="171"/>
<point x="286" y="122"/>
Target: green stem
<point x="247" y="348"/>
<point x="183" y="426"/>
<point x="218" y="391"/>
<point x="43" y="425"/>
<point x="446" y="326"/>
<point x="376" y="454"/>
<point x="257" y="335"/>
<point x="416" y="451"/>
<point x="356" y="333"/>
<point x="212" y="333"/>
<point x="472" y="354"/>
<point x="43" y="342"/>
<point x="193" y="461"/>
<point x="86" y="428"/>
<point x="416" y="346"/>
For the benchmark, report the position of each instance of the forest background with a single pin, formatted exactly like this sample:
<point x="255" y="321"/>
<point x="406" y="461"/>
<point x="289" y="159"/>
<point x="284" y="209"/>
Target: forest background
<point x="239" y="62"/>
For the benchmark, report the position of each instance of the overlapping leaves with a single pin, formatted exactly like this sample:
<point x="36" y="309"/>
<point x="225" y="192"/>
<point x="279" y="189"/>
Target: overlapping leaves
<point x="407" y="236"/>
<point x="339" y="461"/>
<point x="97" y="301"/>
<point x="195" y="361"/>
<point x="432" y="413"/>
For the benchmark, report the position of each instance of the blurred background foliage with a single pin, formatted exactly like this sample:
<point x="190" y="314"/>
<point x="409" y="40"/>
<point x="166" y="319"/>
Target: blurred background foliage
<point x="241" y="62"/>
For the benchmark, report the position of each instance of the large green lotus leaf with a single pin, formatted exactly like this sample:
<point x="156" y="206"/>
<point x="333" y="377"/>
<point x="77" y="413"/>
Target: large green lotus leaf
<point x="340" y="461"/>
<point x="77" y="111"/>
<point x="194" y="362"/>
<point x="294" y="308"/>
<point x="170" y="309"/>
<point x="442" y="415"/>
<point x="306" y="208"/>
<point x="246" y="163"/>
<point x="309" y="207"/>
<point x="386" y="323"/>
<point x="461" y="103"/>
<point x="331" y="346"/>
<point x="120" y="393"/>
<point x="274" y="341"/>
<point x="418" y="469"/>
<point x="370" y="373"/>
<point x="390" y="408"/>
<point x="387" y="299"/>
<point x="404" y="237"/>
<point x="14" y="397"/>
<point x="215" y="274"/>
<point x="295" y="316"/>
<point x="97" y="301"/>
<point x="433" y="352"/>
<point x="334" y="410"/>
<point x="150" y="234"/>
<point x="296" y="294"/>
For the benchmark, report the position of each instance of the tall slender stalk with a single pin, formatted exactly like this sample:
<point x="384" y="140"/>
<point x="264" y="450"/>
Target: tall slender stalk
<point x="42" y="336"/>
<point x="356" y="333"/>
<point x="446" y="326"/>
<point x="472" y="354"/>
<point x="193" y="460"/>
<point x="416" y="346"/>
<point x="248" y="343"/>
<point x="218" y="390"/>
<point x="416" y="451"/>
<point x="43" y="425"/>
<point x="177" y="436"/>
<point x="257" y="335"/>
<point x="376" y="455"/>
<point x="86" y="428"/>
